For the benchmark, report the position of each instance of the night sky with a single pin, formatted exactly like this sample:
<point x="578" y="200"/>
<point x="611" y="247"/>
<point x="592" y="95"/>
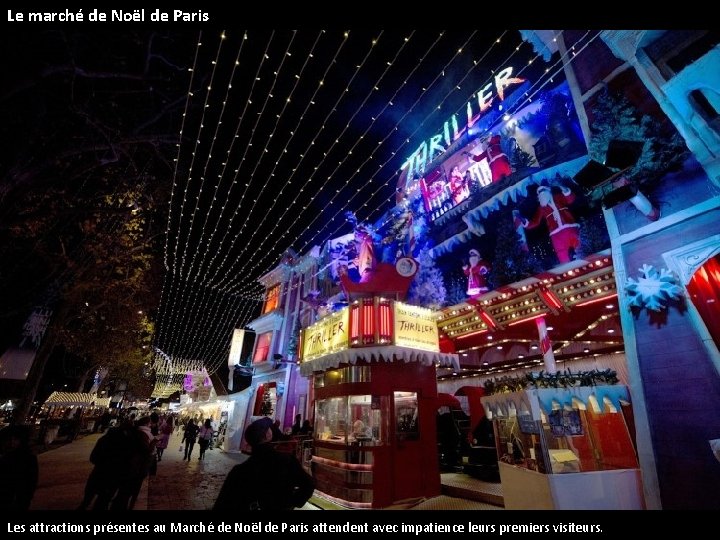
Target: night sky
<point x="261" y="140"/>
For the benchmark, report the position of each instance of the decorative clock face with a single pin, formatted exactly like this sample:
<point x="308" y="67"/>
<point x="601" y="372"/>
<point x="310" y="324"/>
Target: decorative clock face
<point x="406" y="266"/>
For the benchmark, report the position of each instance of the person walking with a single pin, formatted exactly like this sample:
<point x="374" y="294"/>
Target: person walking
<point x="111" y="457"/>
<point x="141" y="446"/>
<point x="191" y="431"/>
<point x="205" y="437"/>
<point x="268" y="480"/>
<point x="166" y="429"/>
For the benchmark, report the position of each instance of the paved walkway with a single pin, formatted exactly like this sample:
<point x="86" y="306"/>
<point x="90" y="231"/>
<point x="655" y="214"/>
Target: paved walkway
<point x="178" y="485"/>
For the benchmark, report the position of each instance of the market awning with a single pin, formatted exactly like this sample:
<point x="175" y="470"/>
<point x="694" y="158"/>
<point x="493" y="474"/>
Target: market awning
<point x="76" y="399"/>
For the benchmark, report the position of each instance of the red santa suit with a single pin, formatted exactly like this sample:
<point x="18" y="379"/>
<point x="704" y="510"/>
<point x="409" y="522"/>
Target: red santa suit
<point x="475" y="273"/>
<point x="560" y="222"/>
<point x="497" y="160"/>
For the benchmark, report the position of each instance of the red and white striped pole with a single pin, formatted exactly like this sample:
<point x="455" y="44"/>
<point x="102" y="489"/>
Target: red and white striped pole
<point x="546" y="345"/>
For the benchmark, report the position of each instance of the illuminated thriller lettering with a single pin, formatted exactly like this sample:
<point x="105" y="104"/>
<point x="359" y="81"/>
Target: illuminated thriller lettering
<point x="326" y="334"/>
<point x="438" y="143"/>
<point x="416" y="327"/>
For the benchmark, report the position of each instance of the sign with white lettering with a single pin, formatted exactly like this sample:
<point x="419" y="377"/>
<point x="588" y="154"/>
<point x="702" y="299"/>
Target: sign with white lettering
<point x="416" y="327"/>
<point x="326" y="336"/>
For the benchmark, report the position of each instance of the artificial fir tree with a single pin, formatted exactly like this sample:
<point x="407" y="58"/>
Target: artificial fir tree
<point x="593" y="235"/>
<point x="428" y="287"/>
<point x="519" y="158"/>
<point x="511" y="263"/>
<point x="614" y="117"/>
<point x="456" y="290"/>
<point x="291" y="351"/>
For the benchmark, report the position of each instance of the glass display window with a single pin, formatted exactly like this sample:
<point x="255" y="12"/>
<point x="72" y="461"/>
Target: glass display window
<point x="574" y="437"/>
<point x="366" y="422"/>
<point x="349" y="374"/>
<point x="406" y="416"/>
<point x="351" y="419"/>
<point x="331" y="419"/>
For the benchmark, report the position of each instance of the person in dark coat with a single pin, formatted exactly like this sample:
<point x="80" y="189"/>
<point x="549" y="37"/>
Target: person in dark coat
<point x="268" y="480"/>
<point x="109" y="456"/>
<point x="19" y="469"/>
<point x="297" y="425"/>
<point x="189" y="438"/>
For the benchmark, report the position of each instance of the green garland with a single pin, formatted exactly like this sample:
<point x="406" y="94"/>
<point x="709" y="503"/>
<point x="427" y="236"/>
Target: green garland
<point x="561" y="379"/>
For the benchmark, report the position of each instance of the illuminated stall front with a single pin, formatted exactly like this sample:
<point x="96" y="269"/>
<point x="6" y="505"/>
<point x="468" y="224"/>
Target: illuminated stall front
<point x="372" y="365"/>
<point x="566" y="448"/>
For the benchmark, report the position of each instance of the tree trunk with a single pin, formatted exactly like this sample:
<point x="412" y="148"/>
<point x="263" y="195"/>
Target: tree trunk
<point x="32" y="383"/>
<point x="83" y="379"/>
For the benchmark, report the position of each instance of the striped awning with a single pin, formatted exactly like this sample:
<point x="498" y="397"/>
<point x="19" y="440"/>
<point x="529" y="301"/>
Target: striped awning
<point x="77" y="399"/>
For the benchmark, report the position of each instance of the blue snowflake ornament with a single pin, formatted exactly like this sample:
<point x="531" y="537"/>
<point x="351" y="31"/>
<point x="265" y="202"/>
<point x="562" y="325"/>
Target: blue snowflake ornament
<point x="653" y="289"/>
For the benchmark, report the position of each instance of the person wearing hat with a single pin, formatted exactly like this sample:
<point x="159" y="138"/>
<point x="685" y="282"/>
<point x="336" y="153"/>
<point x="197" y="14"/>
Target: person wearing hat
<point x="268" y="480"/>
<point x="554" y="211"/>
<point x="476" y="272"/>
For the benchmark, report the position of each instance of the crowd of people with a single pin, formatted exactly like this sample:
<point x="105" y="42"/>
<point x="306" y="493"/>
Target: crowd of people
<point x="130" y="451"/>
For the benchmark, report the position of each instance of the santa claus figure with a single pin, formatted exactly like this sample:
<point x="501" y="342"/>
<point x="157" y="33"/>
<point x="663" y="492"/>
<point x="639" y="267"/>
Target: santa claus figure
<point x="476" y="272"/>
<point x="554" y="211"/>
<point x="497" y="160"/>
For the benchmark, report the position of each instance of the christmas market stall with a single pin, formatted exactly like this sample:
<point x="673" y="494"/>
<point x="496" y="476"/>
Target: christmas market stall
<point x="372" y="366"/>
<point x="566" y="448"/>
<point x="69" y="413"/>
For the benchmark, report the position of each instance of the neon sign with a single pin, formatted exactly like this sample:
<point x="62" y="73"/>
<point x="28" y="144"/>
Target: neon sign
<point x="440" y="142"/>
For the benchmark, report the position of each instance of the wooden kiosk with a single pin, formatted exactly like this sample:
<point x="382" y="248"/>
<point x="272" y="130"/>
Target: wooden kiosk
<point x="372" y="366"/>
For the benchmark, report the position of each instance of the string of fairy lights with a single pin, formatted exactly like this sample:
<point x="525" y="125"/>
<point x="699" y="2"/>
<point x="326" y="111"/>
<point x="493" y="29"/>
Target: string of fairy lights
<point x="476" y="62"/>
<point x="179" y="147"/>
<point x="289" y="180"/>
<point x="371" y="178"/>
<point x="298" y="78"/>
<point x="540" y="85"/>
<point x="374" y="41"/>
<point x="242" y="283"/>
<point x="237" y="170"/>
<point x="188" y="312"/>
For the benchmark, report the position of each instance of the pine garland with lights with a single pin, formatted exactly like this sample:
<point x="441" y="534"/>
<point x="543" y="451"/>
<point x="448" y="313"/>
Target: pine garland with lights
<point x="561" y="379"/>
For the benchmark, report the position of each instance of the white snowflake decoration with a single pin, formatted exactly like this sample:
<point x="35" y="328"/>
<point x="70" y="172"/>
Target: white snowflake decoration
<point x="653" y="289"/>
